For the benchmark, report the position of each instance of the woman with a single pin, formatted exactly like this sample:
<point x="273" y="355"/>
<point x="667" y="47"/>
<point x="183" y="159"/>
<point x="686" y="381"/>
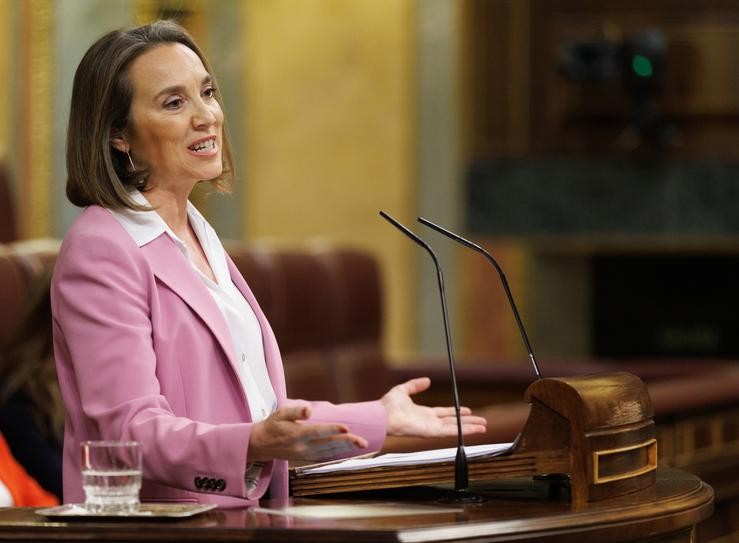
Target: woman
<point x="157" y="336"/>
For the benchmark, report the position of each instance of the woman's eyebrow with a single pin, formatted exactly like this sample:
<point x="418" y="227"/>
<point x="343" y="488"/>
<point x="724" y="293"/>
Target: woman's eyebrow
<point x="175" y="89"/>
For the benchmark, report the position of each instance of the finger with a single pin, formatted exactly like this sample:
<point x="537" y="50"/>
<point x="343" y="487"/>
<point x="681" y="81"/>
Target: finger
<point x="467" y="429"/>
<point x="443" y="431"/>
<point x="445" y="412"/>
<point x="292" y="413"/>
<point x="414" y="386"/>
<point x="311" y="432"/>
<point x="451" y="412"/>
<point x="334" y="446"/>
<point x="346" y="440"/>
<point x="471" y="419"/>
<point x="476" y="421"/>
<point x="328" y="448"/>
<point x="473" y="429"/>
<point x="449" y="422"/>
<point x="464" y="413"/>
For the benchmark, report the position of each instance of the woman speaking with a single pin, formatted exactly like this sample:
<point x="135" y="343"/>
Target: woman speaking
<point x="157" y="336"/>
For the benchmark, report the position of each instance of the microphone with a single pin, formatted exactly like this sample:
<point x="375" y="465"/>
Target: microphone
<point x="461" y="475"/>
<point x="476" y="247"/>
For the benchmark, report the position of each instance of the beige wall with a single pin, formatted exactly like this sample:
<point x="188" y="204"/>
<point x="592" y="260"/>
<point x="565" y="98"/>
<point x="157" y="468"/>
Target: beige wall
<point x="329" y="126"/>
<point x="26" y="51"/>
<point x="4" y="69"/>
<point x="35" y="130"/>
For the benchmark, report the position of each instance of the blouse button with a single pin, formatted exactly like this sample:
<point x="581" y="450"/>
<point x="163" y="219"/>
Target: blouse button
<point x="243" y="357"/>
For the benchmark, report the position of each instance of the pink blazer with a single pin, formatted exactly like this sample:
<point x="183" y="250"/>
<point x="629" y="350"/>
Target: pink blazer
<point x="143" y="353"/>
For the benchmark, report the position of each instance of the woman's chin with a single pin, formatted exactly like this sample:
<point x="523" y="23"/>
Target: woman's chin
<point x="210" y="175"/>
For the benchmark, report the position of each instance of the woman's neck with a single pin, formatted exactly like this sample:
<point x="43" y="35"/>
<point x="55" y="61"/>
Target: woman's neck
<point x="172" y="207"/>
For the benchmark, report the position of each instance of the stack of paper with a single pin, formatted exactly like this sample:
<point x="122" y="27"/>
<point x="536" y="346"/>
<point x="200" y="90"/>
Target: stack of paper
<point x="405" y="459"/>
<point x="407" y="469"/>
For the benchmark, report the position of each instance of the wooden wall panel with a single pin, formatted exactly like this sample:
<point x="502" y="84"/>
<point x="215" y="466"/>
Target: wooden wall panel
<point x="697" y="97"/>
<point x="516" y="103"/>
<point x="515" y="100"/>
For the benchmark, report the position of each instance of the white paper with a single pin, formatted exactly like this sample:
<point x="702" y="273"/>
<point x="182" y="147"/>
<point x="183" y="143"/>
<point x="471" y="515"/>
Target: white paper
<point x="408" y="459"/>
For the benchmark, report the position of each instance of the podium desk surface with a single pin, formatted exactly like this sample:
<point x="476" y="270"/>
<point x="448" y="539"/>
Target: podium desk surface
<point x="516" y="510"/>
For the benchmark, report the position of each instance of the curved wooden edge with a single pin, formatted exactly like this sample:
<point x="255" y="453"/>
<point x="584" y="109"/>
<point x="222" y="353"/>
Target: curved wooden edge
<point x="677" y="503"/>
<point x="682" y="501"/>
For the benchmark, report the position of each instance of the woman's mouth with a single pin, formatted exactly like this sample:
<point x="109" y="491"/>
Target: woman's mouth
<point x="204" y="147"/>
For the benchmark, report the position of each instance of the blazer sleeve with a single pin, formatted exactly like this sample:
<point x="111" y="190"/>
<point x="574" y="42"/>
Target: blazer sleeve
<point x="101" y="295"/>
<point x="365" y="419"/>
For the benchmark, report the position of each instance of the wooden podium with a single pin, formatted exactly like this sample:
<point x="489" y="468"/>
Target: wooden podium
<point x="516" y="511"/>
<point x="595" y="429"/>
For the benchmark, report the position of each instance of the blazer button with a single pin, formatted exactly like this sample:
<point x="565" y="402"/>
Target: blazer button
<point x="220" y="485"/>
<point x="198" y="483"/>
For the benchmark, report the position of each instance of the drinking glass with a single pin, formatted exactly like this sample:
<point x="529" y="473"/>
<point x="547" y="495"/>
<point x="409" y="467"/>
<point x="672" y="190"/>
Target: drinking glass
<point x="111" y="476"/>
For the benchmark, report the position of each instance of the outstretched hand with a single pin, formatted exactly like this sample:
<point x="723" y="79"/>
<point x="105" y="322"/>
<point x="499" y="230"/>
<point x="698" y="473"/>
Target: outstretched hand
<point x="285" y="435"/>
<point x="406" y="418"/>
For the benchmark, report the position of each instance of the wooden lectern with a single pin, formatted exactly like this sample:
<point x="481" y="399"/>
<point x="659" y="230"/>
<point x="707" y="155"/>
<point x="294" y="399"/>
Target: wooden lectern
<point x="596" y="429"/>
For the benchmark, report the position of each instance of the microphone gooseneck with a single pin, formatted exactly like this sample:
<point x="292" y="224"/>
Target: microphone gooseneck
<point x="461" y="474"/>
<point x="476" y="247"/>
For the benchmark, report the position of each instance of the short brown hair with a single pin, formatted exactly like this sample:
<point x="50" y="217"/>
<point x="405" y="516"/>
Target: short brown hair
<point x="101" y="103"/>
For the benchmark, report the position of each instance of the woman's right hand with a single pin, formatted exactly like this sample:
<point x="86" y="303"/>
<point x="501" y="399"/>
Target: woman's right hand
<point x="285" y="435"/>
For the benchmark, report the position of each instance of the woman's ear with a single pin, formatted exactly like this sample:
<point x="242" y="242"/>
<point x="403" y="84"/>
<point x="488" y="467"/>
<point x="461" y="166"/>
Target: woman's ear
<point x="119" y="142"/>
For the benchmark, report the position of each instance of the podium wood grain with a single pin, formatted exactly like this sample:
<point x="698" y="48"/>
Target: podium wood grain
<point x="517" y="510"/>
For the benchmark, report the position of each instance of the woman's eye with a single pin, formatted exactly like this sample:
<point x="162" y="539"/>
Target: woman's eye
<point x="173" y="104"/>
<point x="209" y="92"/>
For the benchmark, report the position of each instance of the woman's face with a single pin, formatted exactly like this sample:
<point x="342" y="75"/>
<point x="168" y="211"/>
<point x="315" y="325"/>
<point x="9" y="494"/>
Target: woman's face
<point x="175" y="122"/>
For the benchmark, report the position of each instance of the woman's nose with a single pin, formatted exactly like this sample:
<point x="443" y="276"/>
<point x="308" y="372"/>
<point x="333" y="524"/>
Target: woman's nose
<point x="204" y="115"/>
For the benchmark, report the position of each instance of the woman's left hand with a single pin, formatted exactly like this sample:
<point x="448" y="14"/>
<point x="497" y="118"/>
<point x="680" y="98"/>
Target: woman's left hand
<point x="406" y="418"/>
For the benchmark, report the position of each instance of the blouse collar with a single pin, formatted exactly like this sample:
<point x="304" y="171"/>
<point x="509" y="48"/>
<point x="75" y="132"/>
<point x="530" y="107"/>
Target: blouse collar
<point x="146" y="226"/>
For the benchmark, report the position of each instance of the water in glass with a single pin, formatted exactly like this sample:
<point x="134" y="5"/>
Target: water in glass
<point x="111" y="476"/>
<point x="111" y="491"/>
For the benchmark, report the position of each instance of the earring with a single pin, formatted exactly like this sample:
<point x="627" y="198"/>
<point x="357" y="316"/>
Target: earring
<point x="133" y="168"/>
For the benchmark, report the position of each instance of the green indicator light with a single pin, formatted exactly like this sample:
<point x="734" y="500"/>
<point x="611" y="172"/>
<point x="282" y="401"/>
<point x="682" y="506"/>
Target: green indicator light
<point x="642" y="66"/>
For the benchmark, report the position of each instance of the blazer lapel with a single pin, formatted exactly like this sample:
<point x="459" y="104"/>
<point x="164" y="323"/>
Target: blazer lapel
<point x="269" y="343"/>
<point x="173" y="269"/>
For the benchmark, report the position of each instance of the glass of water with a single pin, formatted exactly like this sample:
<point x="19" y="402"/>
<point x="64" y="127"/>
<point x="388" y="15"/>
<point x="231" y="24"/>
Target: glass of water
<point x="111" y="476"/>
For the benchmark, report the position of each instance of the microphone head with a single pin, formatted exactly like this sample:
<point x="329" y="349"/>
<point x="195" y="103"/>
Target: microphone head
<point x="475" y="247"/>
<point x="408" y="233"/>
